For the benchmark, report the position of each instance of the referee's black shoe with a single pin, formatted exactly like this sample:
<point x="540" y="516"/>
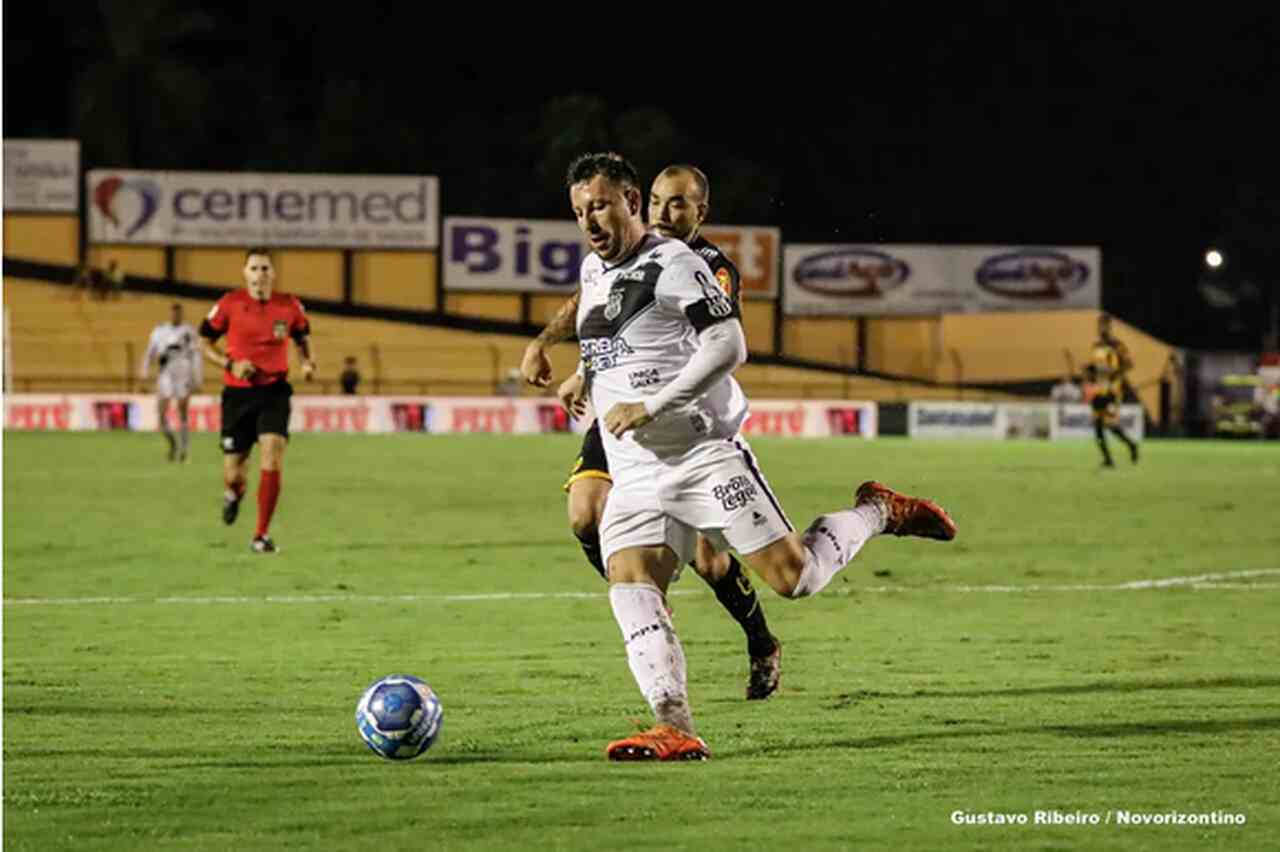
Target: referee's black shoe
<point x="230" y="507"/>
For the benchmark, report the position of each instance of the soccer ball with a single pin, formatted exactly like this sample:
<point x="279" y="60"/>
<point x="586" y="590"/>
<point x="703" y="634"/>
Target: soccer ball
<point x="399" y="717"/>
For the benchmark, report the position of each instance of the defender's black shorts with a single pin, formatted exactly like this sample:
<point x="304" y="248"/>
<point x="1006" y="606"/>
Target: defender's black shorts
<point x="250" y="412"/>
<point x="592" y="463"/>
<point x="1105" y="407"/>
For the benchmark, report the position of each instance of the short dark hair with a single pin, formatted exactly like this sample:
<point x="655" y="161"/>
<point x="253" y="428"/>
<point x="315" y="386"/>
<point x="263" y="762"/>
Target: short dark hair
<point x="262" y="250"/>
<point x="613" y="166"/>
<point x="699" y="177"/>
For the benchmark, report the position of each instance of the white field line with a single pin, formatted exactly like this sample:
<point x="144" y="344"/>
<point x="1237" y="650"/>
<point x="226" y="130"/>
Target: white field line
<point x="1200" y="582"/>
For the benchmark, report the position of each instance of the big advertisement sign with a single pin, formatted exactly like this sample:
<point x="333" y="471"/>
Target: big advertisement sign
<point x="870" y="280"/>
<point x="233" y="208"/>
<point x="545" y="255"/>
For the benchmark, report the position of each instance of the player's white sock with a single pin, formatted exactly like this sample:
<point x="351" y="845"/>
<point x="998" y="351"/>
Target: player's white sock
<point x="832" y="541"/>
<point x="653" y="651"/>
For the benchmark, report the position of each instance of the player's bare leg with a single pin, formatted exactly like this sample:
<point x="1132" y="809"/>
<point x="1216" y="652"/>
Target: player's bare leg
<point x="724" y="574"/>
<point x="799" y="565"/>
<point x="234" y="476"/>
<point x="587" y="497"/>
<point x="638" y="580"/>
<point x="162" y="411"/>
<point x="271" y="464"/>
<point x="184" y="428"/>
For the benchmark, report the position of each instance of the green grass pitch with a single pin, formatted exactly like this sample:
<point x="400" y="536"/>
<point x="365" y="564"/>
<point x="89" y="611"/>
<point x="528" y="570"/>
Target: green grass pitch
<point x="166" y="689"/>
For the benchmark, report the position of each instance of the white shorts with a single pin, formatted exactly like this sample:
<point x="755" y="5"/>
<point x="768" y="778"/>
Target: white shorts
<point x="715" y="489"/>
<point x="174" y="385"/>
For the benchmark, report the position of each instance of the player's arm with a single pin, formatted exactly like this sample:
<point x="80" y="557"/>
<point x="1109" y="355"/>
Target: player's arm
<point x="1125" y="359"/>
<point x="148" y="356"/>
<point x="535" y="366"/>
<point x="197" y="361"/>
<point x="722" y="345"/>
<point x="211" y="330"/>
<point x="307" y="352"/>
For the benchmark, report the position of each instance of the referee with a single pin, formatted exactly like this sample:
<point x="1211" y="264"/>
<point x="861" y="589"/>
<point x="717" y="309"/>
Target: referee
<point x="258" y="323"/>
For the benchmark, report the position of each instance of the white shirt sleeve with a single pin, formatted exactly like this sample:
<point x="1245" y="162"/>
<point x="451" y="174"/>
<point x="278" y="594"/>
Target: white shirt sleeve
<point x="722" y="349"/>
<point x="688" y="286"/>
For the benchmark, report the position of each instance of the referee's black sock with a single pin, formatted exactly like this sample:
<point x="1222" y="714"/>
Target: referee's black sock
<point x="738" y="597"/>
<point x="590" y="542"/>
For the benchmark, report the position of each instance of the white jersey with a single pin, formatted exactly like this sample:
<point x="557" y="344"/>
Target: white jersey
<point x="638" y="325"/>
<point x="176" y="349"/>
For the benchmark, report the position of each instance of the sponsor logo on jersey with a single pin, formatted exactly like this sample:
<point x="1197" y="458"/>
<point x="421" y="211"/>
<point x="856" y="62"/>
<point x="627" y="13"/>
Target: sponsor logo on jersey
<point x="604" y="353"/>
<point x="736" y="493"/>
<point x="852" y="273"/>
<point x="643" y="378"/>
<point x="1032" y="275"/>
<point x="757" y="519"/>
<point x="279" y="329"/>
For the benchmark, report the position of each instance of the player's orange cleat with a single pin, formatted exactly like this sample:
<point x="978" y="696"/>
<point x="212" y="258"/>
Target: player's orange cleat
<point x="661" y="742"/>
<point x="908" y="515"/>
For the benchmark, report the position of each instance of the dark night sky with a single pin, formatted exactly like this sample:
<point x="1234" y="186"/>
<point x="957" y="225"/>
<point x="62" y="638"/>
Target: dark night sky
<point x="1152" y="136"/>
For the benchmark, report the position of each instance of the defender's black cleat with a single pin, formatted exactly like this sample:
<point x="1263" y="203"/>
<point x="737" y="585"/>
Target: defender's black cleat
<point x="263" y="544"/>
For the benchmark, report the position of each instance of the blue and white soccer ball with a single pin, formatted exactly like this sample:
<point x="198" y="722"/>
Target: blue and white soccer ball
<point x="399" y="717"/>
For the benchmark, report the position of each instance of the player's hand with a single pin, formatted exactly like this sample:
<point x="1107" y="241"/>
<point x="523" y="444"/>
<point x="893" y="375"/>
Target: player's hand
<point x="308" y="369"/>
<point x="535" y="366"/>
<point x="626" y="416"/>
<point x="572" y="395"/>
<point x="243" y="369"/>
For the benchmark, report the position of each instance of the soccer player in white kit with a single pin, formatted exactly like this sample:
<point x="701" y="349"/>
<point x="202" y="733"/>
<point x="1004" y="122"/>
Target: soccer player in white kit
<point x="175" y="346"/>
<point x="659" y="342"/>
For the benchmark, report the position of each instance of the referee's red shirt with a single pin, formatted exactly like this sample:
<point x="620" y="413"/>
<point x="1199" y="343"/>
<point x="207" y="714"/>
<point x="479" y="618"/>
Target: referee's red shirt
<point x="258" y="332"/>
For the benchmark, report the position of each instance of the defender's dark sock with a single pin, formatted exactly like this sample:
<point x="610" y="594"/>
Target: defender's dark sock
<point x="1102" y="442"/>
<point x="738" y="597"/>
<point x="591" y="549"/>
<point x="1128" y="442"/>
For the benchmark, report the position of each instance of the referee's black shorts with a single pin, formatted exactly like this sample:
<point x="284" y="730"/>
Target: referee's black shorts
<point x="250" y="412"/>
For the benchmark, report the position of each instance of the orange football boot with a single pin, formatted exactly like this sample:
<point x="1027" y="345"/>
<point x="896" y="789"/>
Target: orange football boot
<point x="906" y="515"/>
<point x="661" y="742"/>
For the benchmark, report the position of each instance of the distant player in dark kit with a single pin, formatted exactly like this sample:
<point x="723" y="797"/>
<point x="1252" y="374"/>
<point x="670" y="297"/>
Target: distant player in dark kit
<point x="1109" y="364"/>
<point x="679" y="201"/>
<point x="258" y="324"/>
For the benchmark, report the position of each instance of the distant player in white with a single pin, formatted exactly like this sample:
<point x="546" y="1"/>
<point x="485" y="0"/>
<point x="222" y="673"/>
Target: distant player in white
<point x="175" y="347"/>
<point x="659" y="341"/>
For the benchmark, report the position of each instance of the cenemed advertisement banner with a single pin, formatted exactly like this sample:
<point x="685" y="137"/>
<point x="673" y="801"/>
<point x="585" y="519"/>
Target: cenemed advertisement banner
<point x="244" y="208"/>
<point x="877" y="280"/>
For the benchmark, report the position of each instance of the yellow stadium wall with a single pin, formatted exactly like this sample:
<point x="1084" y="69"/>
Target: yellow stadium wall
<point x="48" y="238"/>
<point x="302" y="272"/>
<point x="1012" y="346"/>
<point x="757" y="322"/>
<point x="832" y="340"/>
<point x="134" y="260"/>
<point x="500" y="306"/>
<point x="906" y="346"/>
<point x="395" y="279"/>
